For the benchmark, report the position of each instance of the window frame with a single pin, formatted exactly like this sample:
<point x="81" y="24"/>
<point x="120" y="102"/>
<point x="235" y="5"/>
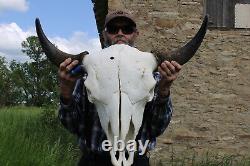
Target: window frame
<point x="222" y="13"/>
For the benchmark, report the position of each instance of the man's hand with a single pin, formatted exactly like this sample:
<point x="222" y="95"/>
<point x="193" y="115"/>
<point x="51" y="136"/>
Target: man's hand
<point x="169" y="72"/>
<point x="67" y="81"/>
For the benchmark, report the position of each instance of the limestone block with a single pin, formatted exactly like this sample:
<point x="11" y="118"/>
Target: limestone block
<point x="165" y="23"/>
<point x="115" y="5"/>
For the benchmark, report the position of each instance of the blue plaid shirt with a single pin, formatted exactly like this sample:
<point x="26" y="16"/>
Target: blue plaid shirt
<point x="81" y="118"/>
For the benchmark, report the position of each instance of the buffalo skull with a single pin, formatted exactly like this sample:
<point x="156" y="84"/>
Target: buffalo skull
<point x="120" y="83"/>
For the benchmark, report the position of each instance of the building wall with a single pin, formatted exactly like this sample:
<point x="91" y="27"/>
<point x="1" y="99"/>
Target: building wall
<point x="211" y="96"/>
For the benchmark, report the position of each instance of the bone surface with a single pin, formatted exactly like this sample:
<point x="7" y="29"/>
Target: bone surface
<point x="120" y="83"/>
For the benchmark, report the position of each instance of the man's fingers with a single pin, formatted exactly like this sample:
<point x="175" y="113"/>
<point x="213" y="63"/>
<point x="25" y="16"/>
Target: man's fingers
<point x="165" y="68"/>
<point x="170" y="66"/>
<point x="176" y="65"/>
<point x="169" y="70"/>
<point x="64" y="64"/>
<point x="162" y="72"/>
<point x="72" y="65"/>
<point x="164" y="75"/>
<point x="64" y="69"/>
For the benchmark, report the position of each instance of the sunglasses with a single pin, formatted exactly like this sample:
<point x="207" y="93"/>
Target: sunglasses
<point x="127" y="29"/>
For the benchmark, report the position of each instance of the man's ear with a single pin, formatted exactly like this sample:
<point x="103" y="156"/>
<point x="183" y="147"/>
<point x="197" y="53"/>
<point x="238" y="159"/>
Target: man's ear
<point x="137" y="33"/>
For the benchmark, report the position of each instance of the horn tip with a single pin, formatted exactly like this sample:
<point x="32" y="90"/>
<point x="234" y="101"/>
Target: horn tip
<point x="37" y="20"/>
<point x="206" y="17"/>
<point x="205" y="20"/>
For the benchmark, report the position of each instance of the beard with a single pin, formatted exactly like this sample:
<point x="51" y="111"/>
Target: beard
<point x="117" y="39"/>
<point x="120" y="38"/>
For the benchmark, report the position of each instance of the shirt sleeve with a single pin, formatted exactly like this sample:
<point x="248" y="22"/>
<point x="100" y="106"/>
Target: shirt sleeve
<point x="72" y="115"/>
<point x="159" y="113"/>
<point x="161" y="116"/>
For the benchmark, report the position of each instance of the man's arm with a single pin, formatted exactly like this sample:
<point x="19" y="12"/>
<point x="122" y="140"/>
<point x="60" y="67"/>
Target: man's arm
<point x="161" y="106"/>
<point x="71" y="114"/>
<point x="160" y="115"/>
<point x="71" y="111"/>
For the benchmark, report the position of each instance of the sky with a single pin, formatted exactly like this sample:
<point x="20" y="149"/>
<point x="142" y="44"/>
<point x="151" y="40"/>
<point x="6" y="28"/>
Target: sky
<point x="69" y="24"/>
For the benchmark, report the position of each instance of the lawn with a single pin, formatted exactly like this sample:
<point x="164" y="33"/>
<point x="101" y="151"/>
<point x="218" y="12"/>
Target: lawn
<point x="31" y="136"/>
<point x="28" y="138"/>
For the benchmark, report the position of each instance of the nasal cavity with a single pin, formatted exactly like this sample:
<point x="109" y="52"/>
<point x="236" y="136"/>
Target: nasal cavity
<point x="112" y="58"/>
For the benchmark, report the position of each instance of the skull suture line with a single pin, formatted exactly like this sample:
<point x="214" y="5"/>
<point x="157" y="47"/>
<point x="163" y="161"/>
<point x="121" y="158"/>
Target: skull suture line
<point x="128" y="74"/>
<point x="120" y="83"/>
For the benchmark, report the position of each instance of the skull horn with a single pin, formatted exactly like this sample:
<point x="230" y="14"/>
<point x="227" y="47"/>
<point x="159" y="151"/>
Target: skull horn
<point x="184" y="54"/>
<point x="55" y="55"/>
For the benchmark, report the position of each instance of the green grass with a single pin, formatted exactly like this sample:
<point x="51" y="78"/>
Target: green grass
<point x="226" y="160"/>
<point x="30" y="136"/>
<point x="208" y="159"/>
<point x="26" y="140"/>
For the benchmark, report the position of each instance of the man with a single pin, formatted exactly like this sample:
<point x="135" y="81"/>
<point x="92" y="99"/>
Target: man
<point x="80" y="117"/>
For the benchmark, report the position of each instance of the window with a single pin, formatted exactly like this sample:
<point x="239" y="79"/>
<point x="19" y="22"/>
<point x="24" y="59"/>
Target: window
<point x="242" y="16"/>
<point x="228" y="13"/>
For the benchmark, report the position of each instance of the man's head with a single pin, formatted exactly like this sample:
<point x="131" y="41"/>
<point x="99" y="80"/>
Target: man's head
<point x="119" y="28"/>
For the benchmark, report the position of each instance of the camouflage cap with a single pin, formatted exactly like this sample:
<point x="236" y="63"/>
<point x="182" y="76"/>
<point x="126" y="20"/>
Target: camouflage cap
<point x="117" y="14"/>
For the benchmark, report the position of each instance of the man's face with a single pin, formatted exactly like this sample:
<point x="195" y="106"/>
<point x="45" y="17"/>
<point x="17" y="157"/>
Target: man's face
<point x="120" y="31"/>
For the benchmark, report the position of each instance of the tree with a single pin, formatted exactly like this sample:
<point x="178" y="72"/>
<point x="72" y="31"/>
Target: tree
<point x="31" y="83"/>
<point x="5" y="83"/>
<point x="17" y="95"/>
<point x="36" y="81"/>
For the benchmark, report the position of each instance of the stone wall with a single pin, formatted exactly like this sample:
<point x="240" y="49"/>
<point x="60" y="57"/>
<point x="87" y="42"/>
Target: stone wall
<point x="211" y="96"/>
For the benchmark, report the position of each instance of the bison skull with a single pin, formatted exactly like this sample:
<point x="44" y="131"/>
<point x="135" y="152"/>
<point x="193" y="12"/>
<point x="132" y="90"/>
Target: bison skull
<point x="120" y="83"/>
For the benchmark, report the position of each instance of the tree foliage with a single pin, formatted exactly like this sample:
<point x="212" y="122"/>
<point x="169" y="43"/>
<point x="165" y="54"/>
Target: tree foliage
<point x="31" y="83"/>
<point x="5" y="83"/>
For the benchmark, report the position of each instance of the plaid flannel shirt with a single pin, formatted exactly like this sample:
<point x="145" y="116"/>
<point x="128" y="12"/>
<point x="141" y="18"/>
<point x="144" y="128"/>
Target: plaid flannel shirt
<point x="81" y="118"/>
